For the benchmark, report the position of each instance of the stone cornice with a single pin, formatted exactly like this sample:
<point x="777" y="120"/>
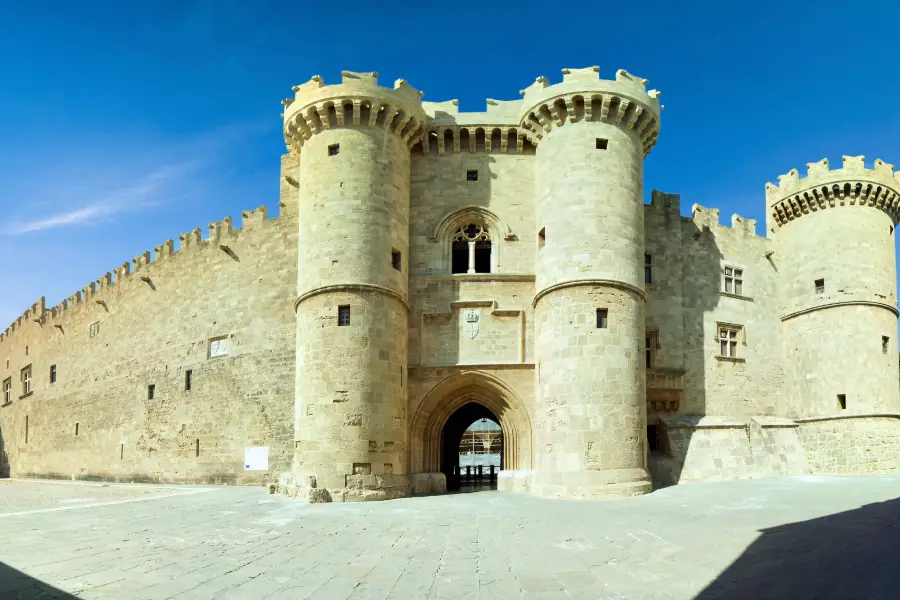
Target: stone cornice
<point x="810" y="309"/>
<point x="588" y="282"/>
<point x="350" y="287"/>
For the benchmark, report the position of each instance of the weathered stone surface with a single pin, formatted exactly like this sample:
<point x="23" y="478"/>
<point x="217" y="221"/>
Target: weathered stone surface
<point x="445" y="259"/>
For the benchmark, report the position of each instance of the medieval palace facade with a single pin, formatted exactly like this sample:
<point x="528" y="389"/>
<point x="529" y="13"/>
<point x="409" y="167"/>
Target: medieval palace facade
<point x="429" y="268"/>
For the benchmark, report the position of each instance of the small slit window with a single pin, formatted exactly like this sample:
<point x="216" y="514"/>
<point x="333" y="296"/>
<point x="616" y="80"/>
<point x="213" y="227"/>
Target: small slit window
<point x="334" y="149"/>
<point x="820" y="286"/>
<point x="602" y="144"/>
<point x="648" y="268"/>
<point x="188" y="380"/>
<point x="842" y="401"/>
<point x="343" y="315"/>
<point x="885" y="342"/>
<point x="396" y="260"/>
<point x="151" y="392"/>
<point x="653" y="437"/>
<point x="52" y="373"/>
<point x="542" y="238"/>
<point x="472" y="175"/>
<point x="602" y="318"/>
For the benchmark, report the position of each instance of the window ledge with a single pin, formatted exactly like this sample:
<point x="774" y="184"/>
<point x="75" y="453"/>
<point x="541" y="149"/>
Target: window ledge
<point x="736" y="296"/>
<point x="6" y="403"/>
<point x="733" y="359"/>
<point x="26" y="395"/>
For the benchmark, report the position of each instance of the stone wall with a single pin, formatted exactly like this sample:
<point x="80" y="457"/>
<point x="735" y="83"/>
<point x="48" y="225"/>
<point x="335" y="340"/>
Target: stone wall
<point x="727" y="448"/>
<point x="852" y="444"/>
<point x="112" y="341"/>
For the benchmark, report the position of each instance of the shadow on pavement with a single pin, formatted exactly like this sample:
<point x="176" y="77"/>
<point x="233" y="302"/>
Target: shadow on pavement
<point x="16" y="585"/>
<point x="853" y="554"/>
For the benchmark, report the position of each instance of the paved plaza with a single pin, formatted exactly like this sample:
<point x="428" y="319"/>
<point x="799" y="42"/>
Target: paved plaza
<point x="802" y="537"/>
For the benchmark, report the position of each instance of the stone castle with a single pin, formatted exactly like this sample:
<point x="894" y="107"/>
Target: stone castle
<point x="430" y="267"/>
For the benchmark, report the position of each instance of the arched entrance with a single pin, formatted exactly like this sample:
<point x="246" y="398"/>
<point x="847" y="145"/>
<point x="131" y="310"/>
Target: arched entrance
<point x="455" y="403"/>
<point x="463" y="440"/>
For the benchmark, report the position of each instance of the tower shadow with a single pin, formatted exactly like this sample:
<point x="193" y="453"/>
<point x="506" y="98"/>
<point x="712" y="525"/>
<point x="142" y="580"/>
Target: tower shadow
<point x="18" y="585"/>
<point x="853" y="554"/>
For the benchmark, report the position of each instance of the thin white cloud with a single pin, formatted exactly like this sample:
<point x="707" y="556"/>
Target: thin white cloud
<point x="126" y="198"/>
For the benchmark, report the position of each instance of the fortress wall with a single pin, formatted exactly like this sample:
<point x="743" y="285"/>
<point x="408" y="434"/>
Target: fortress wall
<point x="440" y="202"/>
<point x="505" y="187"/>
<point x="151" y="332"/>
<point x="750" y="384"/>
<point x="665" y="303"/>
<point x="849" y="445"/>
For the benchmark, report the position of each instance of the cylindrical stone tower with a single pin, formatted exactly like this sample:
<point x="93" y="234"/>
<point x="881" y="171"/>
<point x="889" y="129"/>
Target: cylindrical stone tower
<point x="590" y="415"/>
<point x="834" y="251"/>
<point x="353" y="141"/>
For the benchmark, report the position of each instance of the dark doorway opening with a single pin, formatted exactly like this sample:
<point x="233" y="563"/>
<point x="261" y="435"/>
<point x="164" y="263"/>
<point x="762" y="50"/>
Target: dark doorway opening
<point x="472" y="449"/>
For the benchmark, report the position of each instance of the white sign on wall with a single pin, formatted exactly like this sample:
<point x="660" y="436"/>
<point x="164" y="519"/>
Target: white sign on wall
<point x="256" y="458"/>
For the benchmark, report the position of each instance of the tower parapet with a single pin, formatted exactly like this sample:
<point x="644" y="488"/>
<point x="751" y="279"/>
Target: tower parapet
<point x="851" y="185"/>
<point x="358" y="101"/>
<point x="582" y="96"/>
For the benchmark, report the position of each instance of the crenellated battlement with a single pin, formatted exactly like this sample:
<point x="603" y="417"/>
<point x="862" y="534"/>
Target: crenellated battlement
<point x="708" y="218"/>
<point x="140" y="265"/>
<point x="823" y="187"/>
<point x="358" y="101"/>
<point x="582" y="96"/>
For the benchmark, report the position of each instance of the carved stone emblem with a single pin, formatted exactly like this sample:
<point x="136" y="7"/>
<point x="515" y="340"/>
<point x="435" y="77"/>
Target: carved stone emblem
<point x="472" y="317"/>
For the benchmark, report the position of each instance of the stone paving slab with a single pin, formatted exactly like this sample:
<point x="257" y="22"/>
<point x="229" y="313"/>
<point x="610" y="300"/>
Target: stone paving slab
<point x="801" y="537"/>
<point x="22" y="495"/>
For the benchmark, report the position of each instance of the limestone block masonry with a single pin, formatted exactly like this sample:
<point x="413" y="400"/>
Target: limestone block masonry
<point x="428" y="268"/>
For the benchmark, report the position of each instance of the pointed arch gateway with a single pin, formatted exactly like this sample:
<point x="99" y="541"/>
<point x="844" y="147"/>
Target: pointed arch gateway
<point x="456" y="392"/>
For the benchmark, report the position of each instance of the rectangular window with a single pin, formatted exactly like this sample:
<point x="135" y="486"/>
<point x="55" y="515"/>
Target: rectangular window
<point x="728" y="341"/>
<point x="734" y="281"/>
<point x="26" y="380"/>
<point x="602" y="318"/>
<point x="885" y="340"/>
<point x="7" y="391"/>
<point x="218" y="347"/>
<point x="842" y="401"/>
<point x="151" y="391"/>
<point x="52" y="373"/>
<point x="602" y="144"/>
<point x="820" y="286"/>
<point x="651" y="341"/>
<point x="343" y="315"/>
<point x="542" y="238"/>
<point x="471" y="175"/>
<point x="188" y="380"/>
<point x="333" y="149"/>
<point x="396" y="260"/>
<point x="95" y="328"/>
<point x="76" y="428"/>
<point x="648" y="269"/>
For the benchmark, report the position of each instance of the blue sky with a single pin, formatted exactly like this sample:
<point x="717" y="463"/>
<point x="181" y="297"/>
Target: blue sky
<point x="122" y="126"/>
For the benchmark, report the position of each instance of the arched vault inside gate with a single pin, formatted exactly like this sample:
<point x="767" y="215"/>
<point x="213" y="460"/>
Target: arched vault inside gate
<point x="451" y="394"/>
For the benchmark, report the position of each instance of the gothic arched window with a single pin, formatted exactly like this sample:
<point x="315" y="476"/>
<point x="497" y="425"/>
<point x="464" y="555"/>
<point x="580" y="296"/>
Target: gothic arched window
<point x="471" y="250"/>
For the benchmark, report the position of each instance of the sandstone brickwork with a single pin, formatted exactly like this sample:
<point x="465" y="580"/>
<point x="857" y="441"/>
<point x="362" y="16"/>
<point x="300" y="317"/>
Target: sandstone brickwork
<point x="428" y="267"/>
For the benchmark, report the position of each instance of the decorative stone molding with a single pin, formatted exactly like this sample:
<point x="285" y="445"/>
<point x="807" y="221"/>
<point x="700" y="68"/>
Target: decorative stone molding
<point x="851" y="185"/>
<point x="357" y="101"/>
<point x="446" y="139"/>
